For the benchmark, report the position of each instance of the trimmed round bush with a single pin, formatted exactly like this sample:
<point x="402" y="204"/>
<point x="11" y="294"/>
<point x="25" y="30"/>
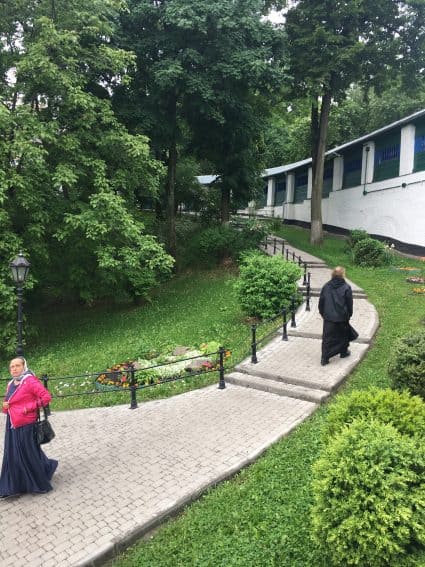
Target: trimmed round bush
<point x="401" y="410"/>
<point x="266" y="284"/>
<point x="407" y="368"/>
<point x="369" y="503"/>
<point x="369" y="252"/>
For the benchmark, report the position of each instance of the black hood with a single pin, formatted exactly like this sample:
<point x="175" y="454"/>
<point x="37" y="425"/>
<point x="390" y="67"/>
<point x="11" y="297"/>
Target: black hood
<point x="337" y="282"/>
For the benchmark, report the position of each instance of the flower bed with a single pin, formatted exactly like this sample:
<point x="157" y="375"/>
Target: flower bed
<point x="405" y="269"/>
<point x="419" y="290"/>
<point x="160" y="368"/>
<point x="416" y="280"/>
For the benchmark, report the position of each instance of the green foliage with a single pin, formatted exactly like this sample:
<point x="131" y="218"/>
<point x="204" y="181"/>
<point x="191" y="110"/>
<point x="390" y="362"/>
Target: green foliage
<point x="368" y="487"/>
<point x="356" y="235"/>
<point x="368" y="252"/>
<point x="106" y="236"/>
<point x="407" y="367"/>
<point x="186" y="52"/>
<point x="216" y="243"/>
<point x="404" y="412"/>
<point x="69" y="171"/>
<point x="266" y="284"/>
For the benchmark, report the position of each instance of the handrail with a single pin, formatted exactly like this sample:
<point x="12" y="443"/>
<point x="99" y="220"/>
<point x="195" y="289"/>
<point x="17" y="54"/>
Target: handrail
<point x="131" y="372"/>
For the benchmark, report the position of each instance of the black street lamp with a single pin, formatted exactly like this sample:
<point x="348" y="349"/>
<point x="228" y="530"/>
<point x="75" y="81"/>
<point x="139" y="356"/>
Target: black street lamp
<point x="20" y="268"/>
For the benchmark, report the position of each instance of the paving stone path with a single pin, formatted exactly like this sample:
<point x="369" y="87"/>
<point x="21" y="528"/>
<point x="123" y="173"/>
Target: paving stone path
<point x="122" y="472"/>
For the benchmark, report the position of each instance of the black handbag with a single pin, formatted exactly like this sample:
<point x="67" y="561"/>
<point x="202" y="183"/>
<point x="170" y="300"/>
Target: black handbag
<point x="352" y="333"/>
<point x="43" y="431"/>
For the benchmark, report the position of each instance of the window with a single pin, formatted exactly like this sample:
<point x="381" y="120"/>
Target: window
<point x="328" y="175"/>
<point x="419" y="163"/>
<point x="301" y="184"/>
<point x="352" y="175"/>
<point x="280" y="192"/>
<point x="387" y="157"/>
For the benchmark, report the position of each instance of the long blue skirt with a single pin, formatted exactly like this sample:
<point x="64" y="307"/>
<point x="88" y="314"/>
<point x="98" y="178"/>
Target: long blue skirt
<point x="25" y="467"/>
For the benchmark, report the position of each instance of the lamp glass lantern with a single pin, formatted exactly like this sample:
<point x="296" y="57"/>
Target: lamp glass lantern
<point x="20" y="268"/>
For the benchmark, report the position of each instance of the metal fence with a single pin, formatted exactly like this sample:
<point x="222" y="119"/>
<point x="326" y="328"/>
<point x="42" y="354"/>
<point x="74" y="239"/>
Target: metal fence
<point x="134" y="379"/>
<point x="278" y="246"/>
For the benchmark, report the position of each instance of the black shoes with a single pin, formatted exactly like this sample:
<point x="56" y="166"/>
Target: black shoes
<point x="324" y="361"/>
<point x="345" y="354"/>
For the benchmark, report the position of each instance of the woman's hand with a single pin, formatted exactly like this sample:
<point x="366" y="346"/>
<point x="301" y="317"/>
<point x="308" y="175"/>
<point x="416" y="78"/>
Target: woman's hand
<point x="5" y="405"/>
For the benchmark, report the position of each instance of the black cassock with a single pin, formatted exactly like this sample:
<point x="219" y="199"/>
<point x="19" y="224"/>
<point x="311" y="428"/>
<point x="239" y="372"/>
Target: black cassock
<point x="337" y="337"/>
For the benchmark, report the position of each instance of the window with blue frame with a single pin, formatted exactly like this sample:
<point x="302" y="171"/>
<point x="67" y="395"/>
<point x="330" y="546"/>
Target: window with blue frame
<point x="301" y="185"/>
<point x="419" y="163"/>
<point x="280" y="191"/>
<point x="352" y="175"/>
<point x="328" y="175"/>
<point x="387" y="157"/>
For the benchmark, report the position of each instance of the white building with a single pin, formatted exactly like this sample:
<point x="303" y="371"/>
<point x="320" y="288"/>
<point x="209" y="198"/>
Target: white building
<point x="376" y="183"/>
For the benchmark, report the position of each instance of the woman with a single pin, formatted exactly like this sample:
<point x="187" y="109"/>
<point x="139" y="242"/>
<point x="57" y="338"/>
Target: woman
<point x="25" y="467"/>
<point x="336" y="308"/>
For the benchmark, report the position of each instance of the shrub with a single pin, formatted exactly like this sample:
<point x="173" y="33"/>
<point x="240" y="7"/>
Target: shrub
<point x="369" y="496"/>
<point x="214" y="244"/>
<point x="404" y="412"/>
<point x="266" y="284"/>
<point x="369" y="252"/>
<point x="253" y="233"/>
<point x="407" y="368"/>
<point x="355" y="236"/>
<point x="218" y="242"/>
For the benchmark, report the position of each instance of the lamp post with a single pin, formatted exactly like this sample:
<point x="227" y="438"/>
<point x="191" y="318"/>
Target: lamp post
<point x="20" y="268"/>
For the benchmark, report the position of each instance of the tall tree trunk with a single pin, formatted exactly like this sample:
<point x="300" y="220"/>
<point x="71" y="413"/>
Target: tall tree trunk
<point x="170" y="193"/>
<point x="316" y="230"/>
<point x="314" y="132"/>
<point x="225" y="205"/>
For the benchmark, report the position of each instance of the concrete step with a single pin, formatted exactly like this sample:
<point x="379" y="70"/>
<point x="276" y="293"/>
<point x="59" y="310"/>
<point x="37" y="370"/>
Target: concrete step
<point x="315" y="292"/>
<point x="275" y="387"/>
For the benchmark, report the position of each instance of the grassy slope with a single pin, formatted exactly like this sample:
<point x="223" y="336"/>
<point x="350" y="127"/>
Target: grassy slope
<point x="188" y="310"/>
<point x="262" y="516"/>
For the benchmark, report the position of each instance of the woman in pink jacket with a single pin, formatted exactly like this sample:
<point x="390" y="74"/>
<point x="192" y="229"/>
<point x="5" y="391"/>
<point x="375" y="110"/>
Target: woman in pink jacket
<point x="25" y="467"/>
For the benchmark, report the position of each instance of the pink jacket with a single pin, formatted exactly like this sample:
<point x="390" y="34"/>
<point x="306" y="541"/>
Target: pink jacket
<point x="23" y="403"/>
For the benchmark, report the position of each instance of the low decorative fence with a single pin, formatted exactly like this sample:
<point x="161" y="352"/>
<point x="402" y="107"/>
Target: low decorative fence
<point x="286" y="253"/>
<point x="128" y="378"/>
<point x="290" y="256"/>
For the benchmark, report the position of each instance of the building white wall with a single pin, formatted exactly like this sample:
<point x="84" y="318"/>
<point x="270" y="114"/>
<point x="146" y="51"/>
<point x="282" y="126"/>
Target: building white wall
<point x="388" y="209"/>
<point x="392" y="208"/>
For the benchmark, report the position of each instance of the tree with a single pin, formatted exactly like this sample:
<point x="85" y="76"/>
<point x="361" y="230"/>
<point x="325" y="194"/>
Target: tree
<point x="331" y="45"/>
<point x="200" y="66"/>
<point x="69" y="171"/>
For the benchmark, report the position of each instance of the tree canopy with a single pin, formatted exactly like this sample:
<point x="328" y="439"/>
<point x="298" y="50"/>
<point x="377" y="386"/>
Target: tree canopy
<point x="70" y="173"/>
<point x="331" y="45"/>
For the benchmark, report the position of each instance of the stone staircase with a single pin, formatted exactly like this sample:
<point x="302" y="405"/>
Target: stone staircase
<point x="292" y="368"/>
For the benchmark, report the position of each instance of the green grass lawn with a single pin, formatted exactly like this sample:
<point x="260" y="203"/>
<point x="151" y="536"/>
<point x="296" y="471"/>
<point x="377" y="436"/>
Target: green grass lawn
<point x="188" y="310"/>
<point x="261" y="518"/>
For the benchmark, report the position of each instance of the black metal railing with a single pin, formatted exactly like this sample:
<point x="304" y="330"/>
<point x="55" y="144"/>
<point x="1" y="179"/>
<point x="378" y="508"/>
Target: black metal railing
<point x="283" y="314"/>
<point x="286" y="253"/>
<point x="290" y="309"/>
<point x="132" y="384"/>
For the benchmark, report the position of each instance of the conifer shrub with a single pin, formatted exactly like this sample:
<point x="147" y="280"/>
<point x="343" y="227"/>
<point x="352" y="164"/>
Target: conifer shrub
<point x="369" y="252"/>
<point x="399" y="409"/>
<point x="266" y="284"/>
<point x="407" y="367"/>
<point x="369" y="502"/>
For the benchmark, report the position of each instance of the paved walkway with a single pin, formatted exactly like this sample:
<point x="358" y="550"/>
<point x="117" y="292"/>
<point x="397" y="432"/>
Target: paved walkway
<point x="122" y="472"/>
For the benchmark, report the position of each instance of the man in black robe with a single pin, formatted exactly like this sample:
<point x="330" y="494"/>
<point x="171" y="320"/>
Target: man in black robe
<point x="336" y="308"/>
